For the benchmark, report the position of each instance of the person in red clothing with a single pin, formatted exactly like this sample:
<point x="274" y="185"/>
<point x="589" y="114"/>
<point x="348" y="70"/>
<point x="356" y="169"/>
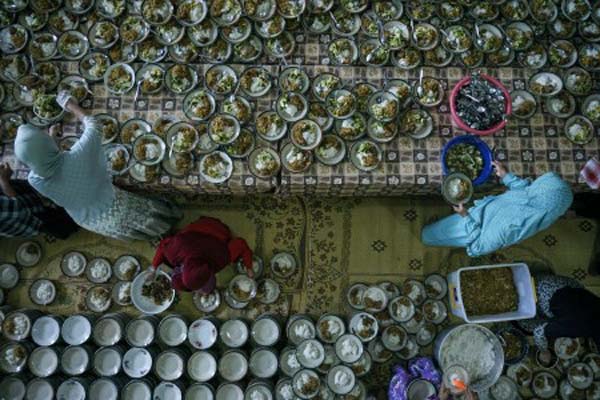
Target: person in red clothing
<point x="198" y="252"/>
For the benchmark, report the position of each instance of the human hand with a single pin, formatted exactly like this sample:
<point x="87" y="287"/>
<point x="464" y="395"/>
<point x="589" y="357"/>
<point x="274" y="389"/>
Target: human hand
<point x="65" y="100"/>
<point x="460" y="209"/>
<point x="249" y="272"/>
<point x="444" y="392"/>
<point x="55" y="130"/>
<point x="500" y="169"/>
<point x="5" y="172"/>
<point x="471" y="395"/>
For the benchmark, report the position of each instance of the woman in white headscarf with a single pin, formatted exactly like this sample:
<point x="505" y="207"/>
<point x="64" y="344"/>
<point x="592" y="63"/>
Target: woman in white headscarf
<point x="79" y="181"/>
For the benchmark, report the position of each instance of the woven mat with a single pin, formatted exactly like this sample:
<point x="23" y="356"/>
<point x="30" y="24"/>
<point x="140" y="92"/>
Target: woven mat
<point x="339" y="241"/>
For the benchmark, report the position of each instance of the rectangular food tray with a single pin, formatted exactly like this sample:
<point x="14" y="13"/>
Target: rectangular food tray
<point x="525" y="290"/>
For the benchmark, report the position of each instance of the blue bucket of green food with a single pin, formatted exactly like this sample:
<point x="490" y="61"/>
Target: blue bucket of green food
<point x="469" y="155"/>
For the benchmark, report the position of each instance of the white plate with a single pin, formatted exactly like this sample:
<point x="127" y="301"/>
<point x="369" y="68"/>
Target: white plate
<point x="31" y="259"/>
<point x="82" y="263"/>
<point x="9" y="276"/>
<point x="224" y="177"/>
<point x="146" y="304"/>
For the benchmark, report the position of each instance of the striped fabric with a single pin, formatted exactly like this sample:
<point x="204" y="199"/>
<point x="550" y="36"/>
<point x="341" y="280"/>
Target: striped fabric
<point x="17" y="214"/>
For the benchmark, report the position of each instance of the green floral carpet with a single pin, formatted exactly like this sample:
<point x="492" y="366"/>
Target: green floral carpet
<point x="337" y="241"/>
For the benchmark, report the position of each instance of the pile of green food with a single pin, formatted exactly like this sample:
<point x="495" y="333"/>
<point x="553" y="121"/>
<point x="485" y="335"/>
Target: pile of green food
<point x="488" y="291"/>
<point x="465" y="158"/>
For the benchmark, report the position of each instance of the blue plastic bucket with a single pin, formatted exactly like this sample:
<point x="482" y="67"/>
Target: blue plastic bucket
<point x="483" y="148"/>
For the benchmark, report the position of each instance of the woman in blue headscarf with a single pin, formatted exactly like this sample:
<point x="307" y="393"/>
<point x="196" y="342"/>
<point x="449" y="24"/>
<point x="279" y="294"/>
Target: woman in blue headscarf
<point x="495" y="222"/>
<point x="79" y="181"/>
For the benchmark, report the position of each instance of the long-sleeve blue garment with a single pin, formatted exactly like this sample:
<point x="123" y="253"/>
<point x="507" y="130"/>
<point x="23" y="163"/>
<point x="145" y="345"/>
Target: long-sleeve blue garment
<point x="77" y="180"/>
<point x="495" y="222"/>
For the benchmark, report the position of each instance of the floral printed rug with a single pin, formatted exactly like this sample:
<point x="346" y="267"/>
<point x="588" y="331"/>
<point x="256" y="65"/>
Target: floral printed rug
<point x="337" y="241"/>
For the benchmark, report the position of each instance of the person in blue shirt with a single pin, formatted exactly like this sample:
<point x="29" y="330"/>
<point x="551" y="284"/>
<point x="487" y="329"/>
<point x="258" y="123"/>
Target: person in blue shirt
<point x="78" y="180"/>
<point x="495" y="222"/>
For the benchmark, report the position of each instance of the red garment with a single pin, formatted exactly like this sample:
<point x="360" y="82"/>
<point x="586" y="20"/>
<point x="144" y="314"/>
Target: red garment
<point x="201" y="249"/>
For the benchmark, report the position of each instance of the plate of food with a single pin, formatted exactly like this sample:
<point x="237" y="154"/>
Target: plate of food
<point x="73" y="45"/>
<point x="255" y="81"/>
<point x="43" y="46"/>
<point x="591" y="108"/>
<point x="242" y="146"/>
<point x="382" y="132"/>
<point x="331" y="150"/>
<point x="151" y="292"/>
<point x="342" y="51"/>
<point x="150" y="78"/>
<point x="291" y="106"/>
<point x="98" y="299"/>
<point x="157" y="12"/>
<point x="578" y="81"/>
<point x="563" y="105"/>
<point x="132" y="129"/>
<point x="178" y="164"/>
<point x="133" y="29"/>
<point x="149" y="149"/>
<point x="353" y="128"/>
<point x="325" y="83"/>
<point x="203" y="34"/>
<point x="545" y="84"/>
<point x="341" y="103"/>
<point x="428" y="93"/>
<point x="109" y="126"/>
<point x="579" y="130"/>
<point x="126" y="268"/>
<point x="110" y="9"/>
<point x="46" y="107"/>
<point x="383" y="106"/>
<point x="237" y="32"/>
<point x="318" y="113"/>
<point x="75" y="85"/>
<point x="281" y="46"/>
<point x="151" y="50"/>
<point x="93" y="66"/>
<point x="294" y="79"/>
<point x="182" y="137"/>
<point x="13" y="38"/>
<point x="121" y="293"/>
<point x="62" y="21"/>
<point x="524" y="104"/>
<point x="184" y="51"/>
<point x="457" y="39"/>
<point x="221" y="79"/>
<point x="216" y="167"/>
<point x="366" y="155"/>
<point x="223" y="129"/>
<point x="191" y="12"/>
<point x="117" y="158"/>
<point x="295" y="159"/>
<point x="225" y="13"/>
<point x="264" y="162"/>
<point x="119" y="78"/>
<point x="242" y="288"/>
<point x="181" y="78"/>
<point x="306" y="134"/>
<point x="270" y="126"/>
<point x="103" y="35"/>
<point x="238" y="107"/>
<point x="123" y="52"/>
<point x="144" y="173"/>
<point x="199" y="105"/>
<point x="29" y="87"/>
<point x="457" y="188"/>
<point x="249" y="50"/>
